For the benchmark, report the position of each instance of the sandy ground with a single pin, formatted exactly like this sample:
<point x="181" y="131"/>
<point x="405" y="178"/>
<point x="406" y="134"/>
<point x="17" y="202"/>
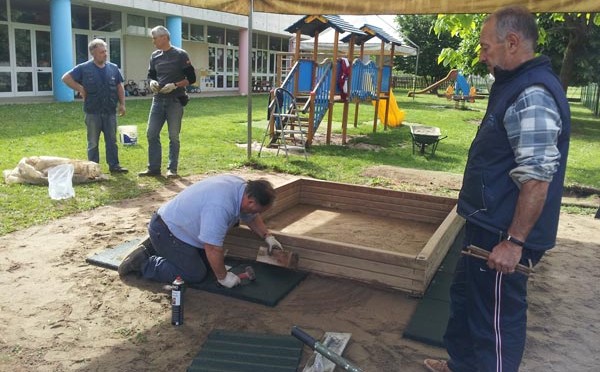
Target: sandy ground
<point x="57" y="313"/>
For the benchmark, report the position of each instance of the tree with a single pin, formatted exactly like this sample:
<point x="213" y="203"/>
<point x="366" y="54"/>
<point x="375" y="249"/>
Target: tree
<point x="562" y="37"/>
<point x="418" y="28"/>
<point x="572" y="41"/>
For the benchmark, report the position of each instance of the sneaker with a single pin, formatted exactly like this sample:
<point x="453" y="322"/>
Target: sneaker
<point x="134" y="261"/>
<point x="171" y="174"/>
<point x="436" y="365"/>
<point x="149" y="173"/>
<point x="118" y="169"/>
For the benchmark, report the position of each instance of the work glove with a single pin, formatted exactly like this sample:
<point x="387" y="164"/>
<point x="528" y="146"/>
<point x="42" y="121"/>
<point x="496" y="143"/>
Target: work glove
<point x="168" y="88"/>
<point x="154" y="86"/>
<point x="272" y="243"/>
<point x="230" y="280"/>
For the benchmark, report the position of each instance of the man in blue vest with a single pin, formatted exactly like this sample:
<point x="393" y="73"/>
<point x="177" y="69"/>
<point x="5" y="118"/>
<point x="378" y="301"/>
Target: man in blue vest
<point x="510" y="197"/>
<point x="100" y="84"/>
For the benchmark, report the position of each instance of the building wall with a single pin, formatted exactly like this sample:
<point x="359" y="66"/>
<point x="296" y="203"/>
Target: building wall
<point x="133" y="51"/>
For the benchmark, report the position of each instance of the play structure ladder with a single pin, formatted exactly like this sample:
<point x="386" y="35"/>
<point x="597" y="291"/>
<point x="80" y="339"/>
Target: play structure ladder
<point x="287" y="129"/>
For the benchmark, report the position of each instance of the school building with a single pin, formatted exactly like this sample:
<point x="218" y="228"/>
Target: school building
<point x="42" y="39"/>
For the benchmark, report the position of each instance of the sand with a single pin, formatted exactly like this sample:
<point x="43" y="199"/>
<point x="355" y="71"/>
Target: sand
<point x="57" y="313"/>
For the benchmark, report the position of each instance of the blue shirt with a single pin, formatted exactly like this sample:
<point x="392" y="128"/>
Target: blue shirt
<point x="204" y="212"/>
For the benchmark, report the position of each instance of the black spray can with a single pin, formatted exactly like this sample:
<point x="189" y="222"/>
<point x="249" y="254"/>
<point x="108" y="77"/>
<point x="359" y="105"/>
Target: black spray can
<point x="177" y="302"/>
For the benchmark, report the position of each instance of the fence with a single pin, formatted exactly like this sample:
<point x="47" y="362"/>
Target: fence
<point x="590" y="98"/>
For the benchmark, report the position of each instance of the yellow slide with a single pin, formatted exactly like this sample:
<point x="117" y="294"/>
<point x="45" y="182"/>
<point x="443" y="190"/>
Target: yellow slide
<point x="395" y="115"/>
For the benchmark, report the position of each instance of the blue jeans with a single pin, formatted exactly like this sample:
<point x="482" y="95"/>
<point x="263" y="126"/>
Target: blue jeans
<point x="488" y="311"/>
<point x="107" y="124"/>
<point x="173" y="257"/>
<point x="169" y="109"/>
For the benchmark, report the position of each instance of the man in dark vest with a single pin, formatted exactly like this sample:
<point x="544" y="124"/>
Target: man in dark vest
<point x="510" y="197"/>
<point x="100" y="84"/>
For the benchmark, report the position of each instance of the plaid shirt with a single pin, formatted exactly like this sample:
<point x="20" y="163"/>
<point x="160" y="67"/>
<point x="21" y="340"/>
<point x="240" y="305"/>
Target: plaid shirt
<point x="533" y="124"/>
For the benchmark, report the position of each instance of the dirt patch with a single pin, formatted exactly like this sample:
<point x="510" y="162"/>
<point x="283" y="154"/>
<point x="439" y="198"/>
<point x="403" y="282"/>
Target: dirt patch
<point x="57" y="313"/>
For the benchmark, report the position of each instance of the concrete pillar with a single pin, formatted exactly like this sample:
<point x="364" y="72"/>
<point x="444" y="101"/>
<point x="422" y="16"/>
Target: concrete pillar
<point x="174" y="24"/>
<point x="62" y="47"/>
<point x="244" y="64"/>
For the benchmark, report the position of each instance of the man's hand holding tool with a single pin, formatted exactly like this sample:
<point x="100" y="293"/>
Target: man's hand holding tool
<point x="480" y="253"/>
<point x="272" y="243"/>
<point x="230" y="280"/>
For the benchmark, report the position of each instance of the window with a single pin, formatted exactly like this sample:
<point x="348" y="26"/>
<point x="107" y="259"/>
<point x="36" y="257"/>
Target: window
<point x="275" y="43"/>
<point x="4" y="47"/>
<point x="42" y="49"/>
<point x="115" y="51"/>
<point x="197" y="32"/>
<point x="106" y="20"/>
<point x="136" y="25"/>
<point x="233" y="38"/>
<point x="216" y="35"/>
<point x="81" y="48"/>
<point x="80" y="17"/>
<point x="153" y="22"/>
<point x="31" y="11"/>
<point x="23" y="48"/>
<point x="185" y="31"/>
<point x="5" y="83"/>
<point x="263" y="42"/>
<point x="3" y="13"/>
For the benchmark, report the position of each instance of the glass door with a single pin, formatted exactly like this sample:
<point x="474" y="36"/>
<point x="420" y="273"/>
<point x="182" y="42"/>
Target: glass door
<point x="33" y="61"/>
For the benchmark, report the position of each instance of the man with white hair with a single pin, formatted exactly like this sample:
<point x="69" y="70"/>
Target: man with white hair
<point x="510" y="197"/>
<point x="170" y="71"/>
<point x="100" y="84"/>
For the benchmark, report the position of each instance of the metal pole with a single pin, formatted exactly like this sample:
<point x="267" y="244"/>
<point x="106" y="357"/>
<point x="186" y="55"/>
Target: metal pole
<point x="250" y="14"/>
<point x="416" y="71"/>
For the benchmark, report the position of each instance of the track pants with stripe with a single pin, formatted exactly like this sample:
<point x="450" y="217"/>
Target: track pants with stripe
<point x="488" y="311"/>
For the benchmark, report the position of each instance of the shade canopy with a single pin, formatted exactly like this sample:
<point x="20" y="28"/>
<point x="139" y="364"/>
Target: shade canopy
<point x="388" y="7"/>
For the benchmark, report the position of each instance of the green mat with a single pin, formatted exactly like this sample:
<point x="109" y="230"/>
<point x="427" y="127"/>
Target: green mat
<point x="430" y="318"/>
<point x="111" y="258"/>
<point x="227" y="351"/>
<point x="272" y="283"/>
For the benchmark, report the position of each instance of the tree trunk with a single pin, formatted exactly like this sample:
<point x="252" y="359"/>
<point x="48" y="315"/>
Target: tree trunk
<point x="577" y="26"/>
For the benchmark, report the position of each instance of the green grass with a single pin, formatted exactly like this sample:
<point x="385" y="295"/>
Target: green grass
<point x="212" y="130"/>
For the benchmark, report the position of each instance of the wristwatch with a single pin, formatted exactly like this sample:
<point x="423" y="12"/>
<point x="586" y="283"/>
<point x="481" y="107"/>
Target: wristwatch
<point x="514" y="240"/>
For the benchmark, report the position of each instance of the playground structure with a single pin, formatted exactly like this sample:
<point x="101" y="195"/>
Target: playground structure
<point x="459" y="92"/>
<point x="314" y="87"/>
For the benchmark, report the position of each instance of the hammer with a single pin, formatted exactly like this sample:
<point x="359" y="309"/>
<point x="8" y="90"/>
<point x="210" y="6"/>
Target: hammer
<point x="248" y="274"/>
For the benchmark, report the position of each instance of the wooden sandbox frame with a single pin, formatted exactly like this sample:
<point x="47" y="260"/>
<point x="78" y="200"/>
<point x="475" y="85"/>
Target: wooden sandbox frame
<point x="406" y="272"/>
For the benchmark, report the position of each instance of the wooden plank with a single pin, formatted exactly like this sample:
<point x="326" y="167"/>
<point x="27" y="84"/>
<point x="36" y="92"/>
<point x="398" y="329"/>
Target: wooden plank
<point x="396" y="198"/>
<point x="335" y="188"/>
<point x="352" y="262"/>
<point x="377" y="209"/>
<point x="360" y="275"/>
<point x="327" y="246"/>
<point x="437" y="247"/>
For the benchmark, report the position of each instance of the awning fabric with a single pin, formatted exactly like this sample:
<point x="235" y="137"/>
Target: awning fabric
<point x="305" y="7"/>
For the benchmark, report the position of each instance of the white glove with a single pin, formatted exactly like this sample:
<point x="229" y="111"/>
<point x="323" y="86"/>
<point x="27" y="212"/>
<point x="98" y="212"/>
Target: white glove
<point x="273" y="243"/>
<point x="168" y="88"/>
<point x="230" y="281"/>
<point x="154" y="86"/>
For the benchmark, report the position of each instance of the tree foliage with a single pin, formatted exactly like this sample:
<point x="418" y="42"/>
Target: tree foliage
<point x="418" y="28"/>
<point x="571" y="40"/>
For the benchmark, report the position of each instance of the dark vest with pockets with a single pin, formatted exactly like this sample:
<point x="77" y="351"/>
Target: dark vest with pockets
<point x="102" y="97"/>
<point x="489" y="195"/>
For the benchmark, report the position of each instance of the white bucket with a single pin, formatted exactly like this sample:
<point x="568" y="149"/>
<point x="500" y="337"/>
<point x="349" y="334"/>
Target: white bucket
<point x="128" y="134"/>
